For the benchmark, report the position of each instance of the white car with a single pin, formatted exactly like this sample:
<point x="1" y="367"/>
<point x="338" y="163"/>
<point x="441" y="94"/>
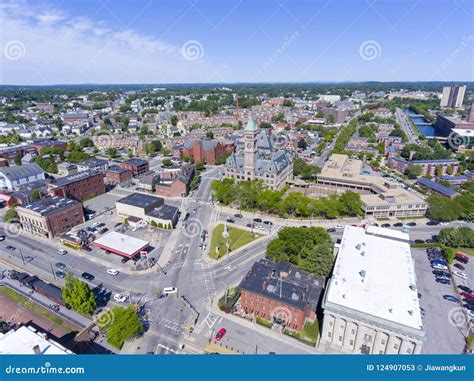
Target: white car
<point x="62" y="252"/>
<point x="444" y="223"/>
<point x="112" y="272"/>
<point x="170" y="290"/>
<point x="120" y="298"/>
<point x="339" y="226"/>
<point x="460" y="274"/>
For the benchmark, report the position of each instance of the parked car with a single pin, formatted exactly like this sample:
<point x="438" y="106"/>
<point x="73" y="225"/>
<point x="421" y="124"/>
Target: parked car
<point x="62" y="252"/>
<point x="422" y="312"/>
<point x="386" y="225"/>
<point x="220" y="334"/>
<point x="112" y="272"/>
<point x="331" y="230"/>
<point x="469" y="306"/>
<point x="339" y="227"/>
<point x="451" y="298"/>
<point x="60" y="265"/>
<point x="230" y="220"/>
<point x="419" y="241"/>
<point x="460" y="274"/>
<point x="398" y="225"/>
<point x="442" y="273"/>
<point x="461" y="258"/>
<point x="411" y="224"/>
<point x="28" y="258"/>
<point x="432" y="223"/>
<point x="2" y="237"/>
<point x="443" y="281"/>
<point x="266" y="222"/>
<point x="238" y="215"/>
<point x="465" y="288"/>
<point x="444" y="223"/>
<point x="468" y="295"/>
<point x="87" y="276"/>
<point x="11" y="248"/>
<point x="459" y="266"/>
<point x="257" y="220"/>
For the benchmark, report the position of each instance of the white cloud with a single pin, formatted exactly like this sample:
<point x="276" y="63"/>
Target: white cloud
<point x="61" y="48"/>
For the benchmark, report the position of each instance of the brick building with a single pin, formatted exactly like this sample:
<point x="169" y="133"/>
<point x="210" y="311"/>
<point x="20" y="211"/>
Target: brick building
<point x="80" y="186"/>
<point x="39" y="144"/>
<point x="116" y="175"/>
<point x="281" y="293"/>
<point x="50" y="216"/>
<point x="207" y="151"/>
<point x="428" y="167"/>
<point x="175" y="184"/>
<point x="136" y="166"/>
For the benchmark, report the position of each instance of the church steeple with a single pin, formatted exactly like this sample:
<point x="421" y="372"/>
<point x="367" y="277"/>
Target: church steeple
<point x="250" y="149"/>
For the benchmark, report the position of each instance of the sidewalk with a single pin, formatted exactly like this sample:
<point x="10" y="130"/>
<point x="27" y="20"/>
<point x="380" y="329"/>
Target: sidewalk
<point x="264" y="331"/>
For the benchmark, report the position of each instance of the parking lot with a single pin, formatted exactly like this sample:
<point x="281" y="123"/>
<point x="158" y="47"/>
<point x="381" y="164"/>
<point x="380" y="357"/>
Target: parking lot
<point x="106" y="220"/>
<point x="445" y="321"/>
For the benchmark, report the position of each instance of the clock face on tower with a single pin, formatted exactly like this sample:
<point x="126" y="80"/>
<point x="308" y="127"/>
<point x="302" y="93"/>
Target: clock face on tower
<point x="249" y="145"/>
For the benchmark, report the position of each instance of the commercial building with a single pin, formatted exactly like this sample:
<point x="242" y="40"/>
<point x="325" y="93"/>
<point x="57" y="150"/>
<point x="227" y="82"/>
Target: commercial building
<point x="445" y="124"/>
<point x="259" y="160"/>
<point x="39" y="144"/>
<point x="80" y="186"/>
<point x="281" y="293"/>
<point x="15" y="177"/>
<point x="136" y="166"/>
<point x="428" y="167"/>
<point x="66" y="169"/>
<point x="94" y="164"/>
<point x="148" y="208"/>
<point x="50" y="216"/>
<point x="434" y="187"/>
<point x="380" y="197"/>
<point x="116" y="175"/>
<point x="175" y="183"/>
<point x="121" y="244"/>
<point x="27" y="340"/>
<point x="371" y="302"/>
<point x="452" y="96"/>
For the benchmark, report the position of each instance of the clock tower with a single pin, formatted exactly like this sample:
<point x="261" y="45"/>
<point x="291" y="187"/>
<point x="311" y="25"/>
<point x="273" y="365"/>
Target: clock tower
<point x="250" y="149"/>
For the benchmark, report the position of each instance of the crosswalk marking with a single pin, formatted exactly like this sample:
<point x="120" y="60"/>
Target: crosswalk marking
<point x="211" y="320"/>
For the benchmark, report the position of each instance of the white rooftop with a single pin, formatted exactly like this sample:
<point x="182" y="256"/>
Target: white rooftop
<point x="120" y="242"/>
<point x="374" y="275"/>
<point x="24" y="339"/>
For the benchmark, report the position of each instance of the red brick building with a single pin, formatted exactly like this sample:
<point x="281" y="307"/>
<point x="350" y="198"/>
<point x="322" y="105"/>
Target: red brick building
<point x="136" y="166"/>
<point x="207" y="151"/>
<point x="38" y="144"/>
<point x="280" y="293"/>
<point x="80" y="186"/>
<point x="175" y="184"/>
<point x="50" y="216"/>
<point x="115" y="175"/>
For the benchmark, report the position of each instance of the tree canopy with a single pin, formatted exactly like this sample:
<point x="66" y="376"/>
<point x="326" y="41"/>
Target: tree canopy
<point x="77" y="295"/>
<point x="124" y="325"/>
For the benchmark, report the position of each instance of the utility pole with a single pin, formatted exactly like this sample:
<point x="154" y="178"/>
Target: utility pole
<point x="22" y="258"/>
<point x="52" y="270"/>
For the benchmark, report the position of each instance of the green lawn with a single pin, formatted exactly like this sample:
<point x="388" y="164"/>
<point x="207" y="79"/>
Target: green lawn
<point x="237" y="238"/>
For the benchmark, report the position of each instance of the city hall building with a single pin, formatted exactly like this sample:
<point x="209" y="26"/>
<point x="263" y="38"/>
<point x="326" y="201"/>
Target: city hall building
<point x="371" y="302"/>
<point x="260" y="160"/>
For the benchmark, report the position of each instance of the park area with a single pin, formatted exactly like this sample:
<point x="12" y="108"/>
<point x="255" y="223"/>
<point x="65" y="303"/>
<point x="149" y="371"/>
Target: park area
<point x="234" y="239"/>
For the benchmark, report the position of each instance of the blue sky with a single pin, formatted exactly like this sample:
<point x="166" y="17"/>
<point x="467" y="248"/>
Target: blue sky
<point x="146" y="41"/>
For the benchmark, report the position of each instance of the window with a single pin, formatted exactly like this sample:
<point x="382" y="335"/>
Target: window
<point x="395" y="346"/>
<point x="351" y="343"/>
<point x="353" y="331"/>
<point x="382" y="342"/>
<point x="340" y="339"/>
<point x="331" y="323"/>
<point x="329" y="334"/>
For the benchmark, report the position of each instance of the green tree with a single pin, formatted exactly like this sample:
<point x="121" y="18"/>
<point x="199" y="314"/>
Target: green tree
<point x="10" y="215"/>
<point x="174" y="120"/>
<point x="17" y="158"/>
<point x="86" y="142"/>
<point x="112" y="152"/>
<point x="77" y="295"/>
<point x="153" y="147"/>
<point x="210" y="135"/>
<point x="166" y="162"/>
<point x="413" y="171"/>
<point x="35" y="194"/>
<point x="153" y="223"/>
<point x="124" y="325"/>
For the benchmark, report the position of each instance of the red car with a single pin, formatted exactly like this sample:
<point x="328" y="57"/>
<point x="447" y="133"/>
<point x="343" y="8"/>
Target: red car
<point x="461" y="258"/>
<point x="467" y="295"/>
<point x="459" y="266"/>
<point x="220" y="334"/>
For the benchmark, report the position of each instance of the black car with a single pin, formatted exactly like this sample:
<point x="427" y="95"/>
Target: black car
<point x="2" y="238"/>
<point x="469" y="301"/>
<point x="257" y="219"/>
<point x="60" y="274"/>
<point x="87" y="276"/>
<point x="60" y="265"/>
<point x="469" y="306"/>
<point x="230" y="220"/>
<point x="331" y="230"/>
<point x="442" y="273"/>
<point x="238" y="215"/>
<point x="386" y="225"/>
<point x="432" y="223"/>
<point x="465" y="288"/>
<point x="411" y="224"/>
<point x="398" y="225"/>
<point x="419" y="241"/>
<point x="443" y="281"/>
<point x="266" y="222"/>
<point x="11" y="248"/>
